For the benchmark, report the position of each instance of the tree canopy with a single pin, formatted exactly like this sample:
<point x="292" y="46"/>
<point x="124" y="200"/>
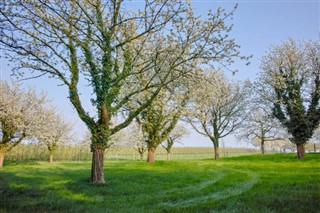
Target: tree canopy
<point x="292" y="71"/>
<point x="54" y="131"/>
<point x="217" y="106"/>
<point x="21" y="114"/>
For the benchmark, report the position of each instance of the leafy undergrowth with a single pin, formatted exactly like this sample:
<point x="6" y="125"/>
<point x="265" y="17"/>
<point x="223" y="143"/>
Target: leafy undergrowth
<point x="269" y="183"/>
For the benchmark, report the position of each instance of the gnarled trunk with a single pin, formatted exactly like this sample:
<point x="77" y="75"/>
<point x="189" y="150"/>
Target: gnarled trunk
<point x="98" y="147"/>
<point x="300" y="151"/>
<point x="216" y="152"/>
<point x="97" y="168"/>
<point x="151" y="152"/>
<point x="2" y="155"/>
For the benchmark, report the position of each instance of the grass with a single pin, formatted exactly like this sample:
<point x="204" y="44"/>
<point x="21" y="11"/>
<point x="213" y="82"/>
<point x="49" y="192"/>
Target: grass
<point x="256" y="183"/>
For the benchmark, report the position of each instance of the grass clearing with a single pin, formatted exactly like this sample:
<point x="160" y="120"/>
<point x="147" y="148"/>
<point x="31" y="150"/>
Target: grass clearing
<point x="269" y="183"/>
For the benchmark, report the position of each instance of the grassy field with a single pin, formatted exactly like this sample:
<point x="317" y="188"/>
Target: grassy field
<point x="256" y="183"/>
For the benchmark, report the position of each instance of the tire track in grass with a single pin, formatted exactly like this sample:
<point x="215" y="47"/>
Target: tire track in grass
<point x="233" y="189"/>
<point x="200" y="186"/>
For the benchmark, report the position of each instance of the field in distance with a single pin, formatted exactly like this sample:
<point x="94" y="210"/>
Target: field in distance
<point x="31" y="152"/>
<point x="255" y="183"/>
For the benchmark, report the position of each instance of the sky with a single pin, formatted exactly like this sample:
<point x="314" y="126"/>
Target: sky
<point x="258" y="24"/>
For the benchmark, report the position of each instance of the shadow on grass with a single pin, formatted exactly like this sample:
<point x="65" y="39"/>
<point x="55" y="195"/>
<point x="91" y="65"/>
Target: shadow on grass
<point x="21" y="197"/>
<point x="64" y="187"/>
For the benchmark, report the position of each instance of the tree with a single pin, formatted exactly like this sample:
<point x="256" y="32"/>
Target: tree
<point x="116" y="141"/>
<point x="217" y="107"/>
<point x="119" y="51"/>
<point x="53" y="132"/>
<point x="141" y="147"/>
<point x="315" y="139"/>
<point x="260" y="127"/>
<point x="20" y="113"/>
<point x="136" y="139"/>
<point x="282" y="144"/>
<point x="160" y="118"/>
<point x="292" y="72"/>
<point x="178" y="132"/>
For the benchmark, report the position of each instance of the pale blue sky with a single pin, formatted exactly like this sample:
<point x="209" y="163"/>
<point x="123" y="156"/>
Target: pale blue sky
<point x="257" y="26"/>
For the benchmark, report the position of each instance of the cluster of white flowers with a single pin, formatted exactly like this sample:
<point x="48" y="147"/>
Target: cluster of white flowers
<point x="26" y="115"/>
<point x="20" y="114"/>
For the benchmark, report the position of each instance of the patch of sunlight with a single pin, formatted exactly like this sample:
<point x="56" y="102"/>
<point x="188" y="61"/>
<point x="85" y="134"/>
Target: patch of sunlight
<point x="69" y="195"/>
<point x="17" y="185"/>
<point x="61" y="189"/>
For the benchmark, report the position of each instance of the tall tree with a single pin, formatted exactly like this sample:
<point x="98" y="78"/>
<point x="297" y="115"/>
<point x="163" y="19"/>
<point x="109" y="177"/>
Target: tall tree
<point x="121" y="52"/>
<point x="292" y="71"/>
<point x="160" y="118"/>
<point x="217" y="107"/>
<point x="141" y="147"/>
<point x="177" y="133"/>
<point x="260" y="127"/>
<point x="315" y="139"/>
<point x="53" y="132"/>
<point x="136" y="139"/>
<point x="20" y="114"/>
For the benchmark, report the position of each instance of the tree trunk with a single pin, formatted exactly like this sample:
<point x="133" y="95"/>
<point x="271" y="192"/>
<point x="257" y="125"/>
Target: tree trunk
<point x="97" y="169"/>
<point x="2" y="154"/>
<point x="50" y="158"/>
<point x="168" y="155"/>
<point x="141" y="156"/>
<point x="151" y="157"/>
<point x="300" y="151"/>
<point x="262" y="147"/>
<point x="216" y="152"/>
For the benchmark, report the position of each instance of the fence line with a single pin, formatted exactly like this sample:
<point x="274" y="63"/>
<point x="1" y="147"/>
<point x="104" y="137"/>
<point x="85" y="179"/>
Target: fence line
<point x="31" y="152"/>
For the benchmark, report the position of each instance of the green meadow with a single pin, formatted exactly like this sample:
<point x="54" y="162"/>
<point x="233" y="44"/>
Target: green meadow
<point x="255" y="183"/>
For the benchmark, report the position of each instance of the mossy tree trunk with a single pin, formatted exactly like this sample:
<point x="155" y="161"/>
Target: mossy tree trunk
<point x="97" y="168"/>
<point x="99" y="143"/>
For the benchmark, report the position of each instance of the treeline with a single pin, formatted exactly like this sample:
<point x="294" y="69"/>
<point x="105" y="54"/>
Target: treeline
<point x="33" y="153"/>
